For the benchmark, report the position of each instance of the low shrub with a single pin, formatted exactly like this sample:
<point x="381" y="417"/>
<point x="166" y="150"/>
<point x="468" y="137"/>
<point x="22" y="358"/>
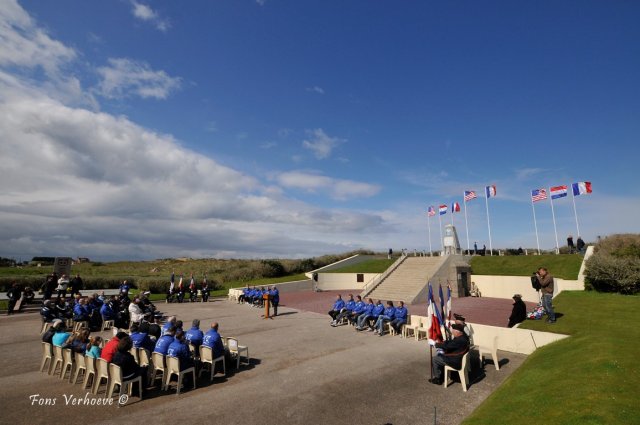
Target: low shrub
<point x="615" y="265"/>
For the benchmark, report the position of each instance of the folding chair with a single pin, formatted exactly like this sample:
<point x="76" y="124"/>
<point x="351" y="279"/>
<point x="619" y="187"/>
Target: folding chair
<point x="115" y="374"/>
<point x="47" y="354"/>
<point x="173" y="368"/>
<point x="206" y="356"/>
<point x="237" y="350"/>
<point x="463" y="372"/>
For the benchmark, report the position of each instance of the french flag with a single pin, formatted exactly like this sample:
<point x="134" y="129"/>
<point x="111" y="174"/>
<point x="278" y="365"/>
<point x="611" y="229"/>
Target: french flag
<point x="581" y="188"/>
<point x="455" y="207"/>
<point x="558" y="192"/>
<point x="443" y="209"/>
<point x="490" y="191"/>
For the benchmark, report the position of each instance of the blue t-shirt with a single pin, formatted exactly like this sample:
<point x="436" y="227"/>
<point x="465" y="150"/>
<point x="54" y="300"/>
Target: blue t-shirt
<point x="94" y="352"/>
<point x="59" y="338"/>
<point x="163" y="344"/>
<point x="194" y="336"/>
<point x="213" y="340"/>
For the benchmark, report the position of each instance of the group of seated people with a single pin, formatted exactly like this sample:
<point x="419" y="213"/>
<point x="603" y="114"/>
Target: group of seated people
<point x="369" y="315"/>
<point x="255" y="297"/>
<point x="168" y="340"/>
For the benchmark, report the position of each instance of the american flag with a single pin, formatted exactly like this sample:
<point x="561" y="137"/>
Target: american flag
<point x="538" y="195"/>
<point x="431" y="211"/>
<point x="469" y="195"/>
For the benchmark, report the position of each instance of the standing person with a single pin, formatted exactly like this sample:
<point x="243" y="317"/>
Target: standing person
<point x="193" y="291"/>
<point x="475" y="248"/>
<point x="124" y="288"/>
<point x="14" y="295"/>
<point x="181" y="289"/>
<point x="484" y="249"/>
<point x="570" y="244"/>
<point x="519" y="312"/>
<point x="390" y="254"/>
<point x="205" y="290"/>
<point x="172" y="284"/>
<point x="49" y="286"/>
<point x="580" y="245"/>
<point x="546" y="287"/>
<point x="275" y="299"/>
<point x="76" y="285"/>
<point x="63" y="283"/>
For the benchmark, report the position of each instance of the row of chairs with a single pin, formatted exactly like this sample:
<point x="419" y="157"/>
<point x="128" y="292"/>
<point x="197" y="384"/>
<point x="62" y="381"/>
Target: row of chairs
<point x="76" y="326"/>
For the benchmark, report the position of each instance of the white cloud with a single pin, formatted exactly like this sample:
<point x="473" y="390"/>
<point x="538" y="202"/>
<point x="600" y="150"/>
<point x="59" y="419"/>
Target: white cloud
<point x="268" y="145"/>
<point x="336" y="188"/>
<point x="261" y="2"/>
<point x="320" y="143"/>
<point x="126" y="77"/>
<point x="315" y="89"/>
<point x="145" y="13"/>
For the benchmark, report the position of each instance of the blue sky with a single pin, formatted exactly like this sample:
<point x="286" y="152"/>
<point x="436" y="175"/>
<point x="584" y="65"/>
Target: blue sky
<point x="147" y="129"/>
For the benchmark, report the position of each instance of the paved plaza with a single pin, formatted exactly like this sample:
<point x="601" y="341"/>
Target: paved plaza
<point x="302" y="371"/>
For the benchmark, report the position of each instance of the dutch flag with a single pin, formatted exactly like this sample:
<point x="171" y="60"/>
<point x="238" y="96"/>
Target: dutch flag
<point x="443" y="209"/>
<point x="558" y="192"/>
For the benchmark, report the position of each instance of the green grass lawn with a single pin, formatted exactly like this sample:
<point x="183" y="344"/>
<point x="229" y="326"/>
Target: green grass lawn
<point x="561" y="266"/>
<point x="590" y="378"/>
<point x="370" y="266"/>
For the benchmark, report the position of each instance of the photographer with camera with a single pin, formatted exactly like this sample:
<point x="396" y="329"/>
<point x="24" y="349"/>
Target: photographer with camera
<point x="545" y="281"/>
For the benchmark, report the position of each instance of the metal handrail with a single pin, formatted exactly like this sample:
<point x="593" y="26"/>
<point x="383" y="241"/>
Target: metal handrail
<point x="375" y="281"/>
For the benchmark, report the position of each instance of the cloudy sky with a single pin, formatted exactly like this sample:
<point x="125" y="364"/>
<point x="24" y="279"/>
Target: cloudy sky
<point x="138" y="129"/>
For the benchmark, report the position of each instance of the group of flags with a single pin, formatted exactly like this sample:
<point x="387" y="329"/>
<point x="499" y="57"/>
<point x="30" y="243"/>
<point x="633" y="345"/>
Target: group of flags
<point x="556" y="192"/>
<point x="438" y="319"/>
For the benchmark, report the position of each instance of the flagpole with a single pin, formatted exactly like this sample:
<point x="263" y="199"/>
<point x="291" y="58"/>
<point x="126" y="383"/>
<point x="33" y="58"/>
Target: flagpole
<point x="486" y="198"/>
<point x="429" y="227"/>
<point x="555" y="230"/>
<point x="440" y="225"/>
<point x="535" y="224"/>
<point x="575" y="211"/>
<point x="466" y="225"/>
<point x="452" y="205"/>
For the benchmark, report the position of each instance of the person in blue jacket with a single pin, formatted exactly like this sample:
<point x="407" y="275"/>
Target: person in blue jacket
<point x="243" y="297"/>
<point x="163" y="343"/>
<point x="387" y="316"/>
<point x="378" y="310"/>
<point x="141" y="338"/>
<point x="357" y="310"/>
<point x="367" y="313"/>
<point x="179" y="348"/>
<point x="336" y="309"/>
<point x="106" y="311"/>
<point x="275" y="299"/>
<point x="80" y="311"/>
<point x="349" y="306"/>
<point x="194" y="335"/>
<point x="400" y="318"/>
<point x="213" y="340"/>
<point x="171" y="321"/>
<point x="61" y="336"/>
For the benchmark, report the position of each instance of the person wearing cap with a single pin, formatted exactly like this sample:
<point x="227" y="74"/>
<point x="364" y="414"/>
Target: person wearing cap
<point x="519" y="312"/>
<point x="451" y="353"/>
<point x="47" y="314"/>
<point x="194" y="335"/>
<point x="546" y="287"/>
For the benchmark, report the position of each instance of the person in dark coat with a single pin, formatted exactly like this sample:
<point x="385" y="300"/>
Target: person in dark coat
<point x="452" y="353"/>
<point x="519" y="312"/>
<point x="14" y="293"/>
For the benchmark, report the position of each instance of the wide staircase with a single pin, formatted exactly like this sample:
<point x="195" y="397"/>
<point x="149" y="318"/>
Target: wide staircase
<point x="408" y="279"/>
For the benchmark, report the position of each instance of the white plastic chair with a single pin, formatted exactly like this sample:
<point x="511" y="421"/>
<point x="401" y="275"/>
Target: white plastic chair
<point x="237" y="350"/>
<point x="492" y="351"/>
<point x="173" y="368"/>
<point x="67" y="363"/>
<point x="411" y="326"/>
<point x="463" y="372"/>
<point x="206" y="356"/>
<point x="57" y="359"/>
<point x="159" y="365"/>
<point x="102" y="369"/>
<point x="424" y="327"/>
<point x="79" y="325"/>
<point x="80" y="366"/>
<point x="90" y="370"/>
<point x="115" y="375"/>
<point x="45" y="327"/>
<point x="107" y="324"/>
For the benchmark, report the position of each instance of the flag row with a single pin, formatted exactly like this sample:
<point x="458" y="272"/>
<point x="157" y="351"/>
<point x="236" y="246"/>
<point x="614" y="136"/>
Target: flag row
<point x="556" y="192"/>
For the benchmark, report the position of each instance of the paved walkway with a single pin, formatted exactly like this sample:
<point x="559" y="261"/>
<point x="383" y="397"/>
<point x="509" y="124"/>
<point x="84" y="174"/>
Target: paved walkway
<point x="302" y="372"/>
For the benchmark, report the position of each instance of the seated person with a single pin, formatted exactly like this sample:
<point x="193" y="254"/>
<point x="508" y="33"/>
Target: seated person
<point x="336" y="309"/>
<point x="78" y="342"/>
<point x="519" y="311"/>
<point x="28" y="296"/>
<point x="46" y="312"/>
<point x="93" y="347"/>
<point x="378" y="310"/>
<point x="474" y="291"/>
<point x="358" y="309"/>
<point x="106" y="310"/>
<point x="213" y="340"/>
<point x="349" y="306"/>
<point x="387" y="316"/>
<point x="80" y="311"/>
<point x="194" y="336"/>
<point x="61" y="336"/>
<point x="140" y="338"/>
<point x="179" y="348"/>
<point x="163" y="343"/>
<point x="111" y="347"/>
<point x="400" y="318"/>
<point x="366" y="314"/>
<point x="135" y="311"/>
<point x="171" y="321"/>
<point x="243" y="297"/>
<point x="63" y="309"/>
<point x="55" y="326"/>
<point x="123" y="358"/>
<point x="451" y="353"/>
<point x="155" y="330"/>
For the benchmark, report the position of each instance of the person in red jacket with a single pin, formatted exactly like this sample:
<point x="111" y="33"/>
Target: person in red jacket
<point x="111" y="347"/>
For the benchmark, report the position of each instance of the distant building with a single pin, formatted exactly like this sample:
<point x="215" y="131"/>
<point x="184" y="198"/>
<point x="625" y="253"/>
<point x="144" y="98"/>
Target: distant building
<point x="44" y="261"/>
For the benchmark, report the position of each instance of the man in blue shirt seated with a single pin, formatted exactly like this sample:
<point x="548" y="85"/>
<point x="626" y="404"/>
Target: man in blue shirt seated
<point x="400" y="318"/>
<point x="275" y="299"/>
<point x="140" y="338"/>
<point x="367" y="313"/>
<point x="80" y="311"/>
<point x="213" y="340"/>
<point x="171" y="321"/>
<point x="357" y="310"/>
<point x="194" y="336"/>
<point x="378" y="310"/>
<point x="179" y="348"/>
<point x="387" y="316"/>
<point x="163" y="343"/>
<point x="346" y="311"/>
<point x="243" y="297"/>
<point x="337" y="308"/>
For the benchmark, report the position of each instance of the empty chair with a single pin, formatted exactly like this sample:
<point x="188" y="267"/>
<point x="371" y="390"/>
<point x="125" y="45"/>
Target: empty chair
<point x="159" y="366"/>
<point x="79" y="325"/>
<point x="424" y="327"/>
<point x="79" y="366"/>
<point x="463" y="372"/>
<point x="492" y="351"/>
<point x="67" y="363"/>
<point x="47" y="354"/>
<point x="206" y="357"/>
<point x="173" y="368"/>
<point x="107" y="324"/>
<point x="115" y="378"/>
<point x="90" y="370"/>
<point x="69" y="323"/>
<point x="57" y="359"/>
<point x="237" y="350"/>
<point x="411" y="326"/>
<point x="102" y="371"/>
<point x="45" y="327"/>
